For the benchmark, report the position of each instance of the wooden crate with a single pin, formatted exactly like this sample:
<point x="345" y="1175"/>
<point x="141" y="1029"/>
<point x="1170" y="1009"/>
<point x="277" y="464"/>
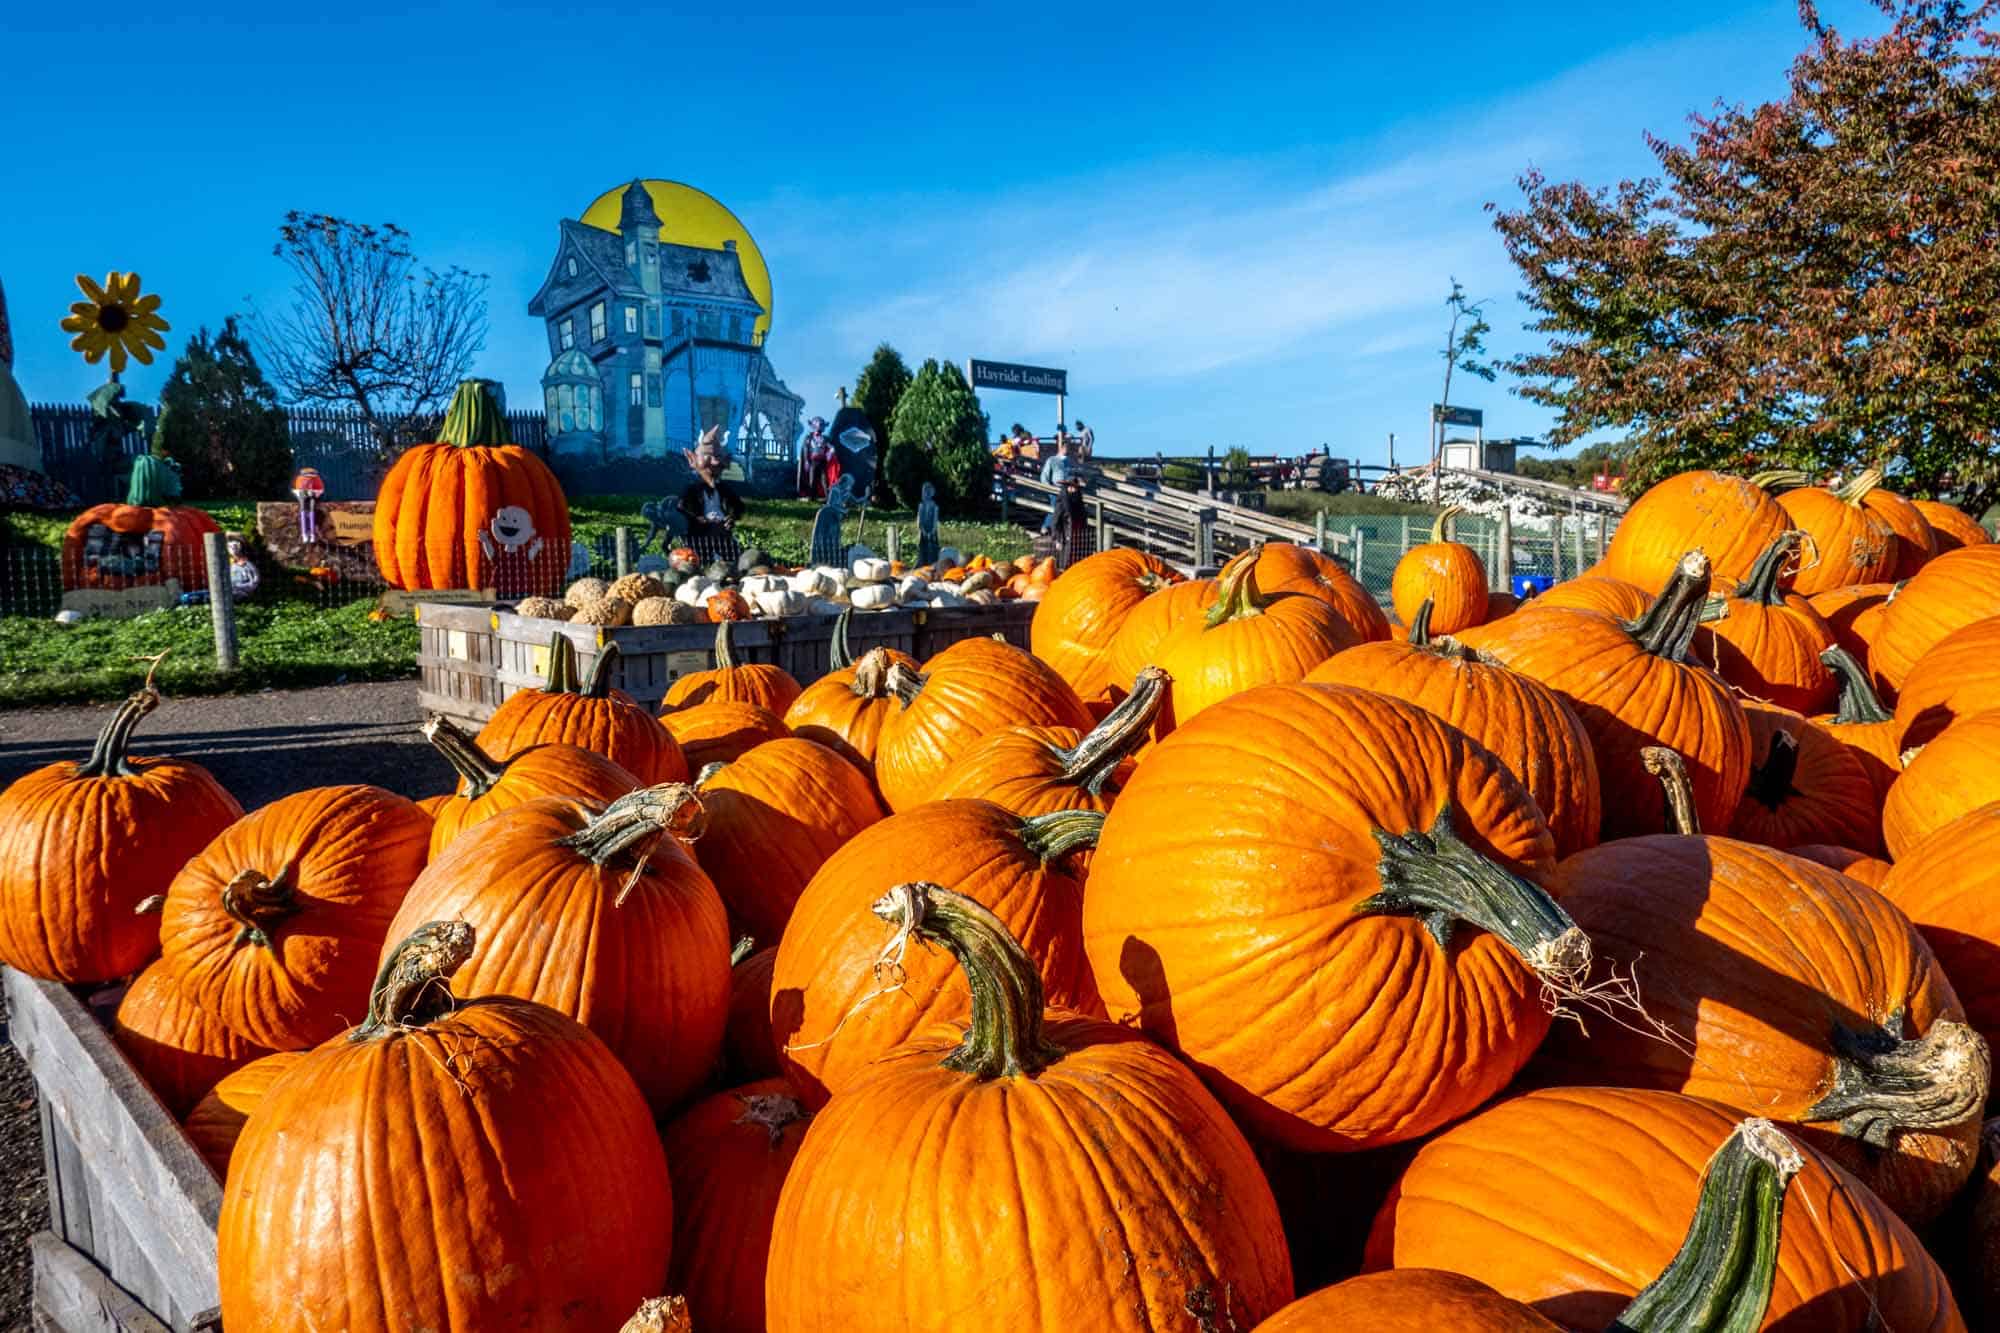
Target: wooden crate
<point x="456" y="655"/>
<point x="132" y="1206"/>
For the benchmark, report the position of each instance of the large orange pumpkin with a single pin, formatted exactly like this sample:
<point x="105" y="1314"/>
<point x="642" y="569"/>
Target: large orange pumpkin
<point x="1729" y="519"/>
<point x="1139" y="640"/>
<point x="217" y="1120"/>
<point x="1608" y="596"/>
<point x="1766" y="642"/>
<point x="178" y="1047"/>
<point x="750" y="1052"/>
<point x="1858" y="866"/>
<point x="588" y="714"/>
<point x="1324" y="898"/>
<point x="834" y="1011"/>
<point x="488" y="785"/>
<point x="844" y="709"/>
<point x="1083" y="609"/>
<point x="1949" y="885"/>
<point x="729" y="681"/>
<point x="774" y="816"/>
<point x="141" y="542"/>
<point x="1957" y="772"/>
<point x="1805" y="786"/>
<point x="599" y="913"/>
<point x="1847" y="540"/>
<point x="82" y="843"/>
<point x="721" y="733"/>
<point x="1916" y="545"/>
<point x="1284" y="567"/>
<point x="1947" y="594"/>
<point x="1863" y="725"/>
<point x="446" y="1165"/>
<point x="1957" y="678"/>
<point x="1792" y="991"/>
<point x="276" y="926"/>
<point x="1447" y="574"/>
<point x="1522" y="721"/>
<point x="1572" y="1199"/>
<point x="970" y="690"/>
<point x="1951" y="526"/>
<point x="1854" y="613"/>
<point x="1035" y="1130"/>
<point x="472" y="510"/>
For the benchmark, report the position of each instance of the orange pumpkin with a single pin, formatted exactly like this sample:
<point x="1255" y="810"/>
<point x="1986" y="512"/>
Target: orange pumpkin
<point x="758" y="683"/>
<point x="1857" y="866"/>
<point x="1767" y="642"/>
<point x="1036" y="770"/>
<point x="844" y="709"/>
<point x="84" y="843"/>
<point x="275" y="927"/>
<point x="1854" y="613"/>
<point x="1951" y="527"/>
<point x="588" y="714"/>
<point x="1947" y="594"/>
<point x="1915" y="543"/>
<point x="472" y="510"/>
<point x="1847" y="540"/>
<point x="178" y="1047"/>
<point x="1607" y="596"/>
<point x="729" y="604"/>
<point x="1283" y="567"/>
<point x="1805" y="786"/>
<point x="488" y="785"/>
<point x="1731" y="520"/>
<point x="1447" y="574"/>
<point x="217" y="1120"/>
<point x="1949" y="886"/>
<point x="1957" y="678"/>
<point x="750" y="1050"/>
<point x="1863" y="725"/>
<point x="721" y="733"/>
<point x="1957" y="772"/>
<point x="1084" y="608"/>
<point x="1139" y="640"/>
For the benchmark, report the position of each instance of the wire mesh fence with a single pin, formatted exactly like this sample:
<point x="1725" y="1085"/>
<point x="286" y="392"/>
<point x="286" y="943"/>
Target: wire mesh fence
<point x="1544" y="551"/>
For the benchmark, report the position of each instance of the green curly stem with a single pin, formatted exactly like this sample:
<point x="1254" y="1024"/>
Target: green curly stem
<point x="258" y="904"/>
<point x="1420" y="624"/>
<point x="1854" y="492"/>
<point x="1435" y="877"/>
<point x="1858" y="700"/>
<point x="108" y="757"/>
<point x="598" y="686"/>
<point x="566" y="677"/>
<point x="1883" y="1084"/>
<point x="1779" y="480"/>
<point x="1671" y="771"/>
<point x="1720" y="1281"/>
<point x="725" y="651"/>
<point x="1091" y="762"/>
<point x="637" y="817"/>
<point x="1061" y="831"/>
<point x="1441" y="529"/>
<point x="1667" y="628"/>
<point x="1005" y="1038"/>
<point x="839" y="655"/>
<point x="414" y="986"/>
<point x="1236" y="596"/>
<point x="1761" y="584"/>
<point x="474" y="417"/>
<point x="1771" y="781"/>
<point x="477" y="770"/>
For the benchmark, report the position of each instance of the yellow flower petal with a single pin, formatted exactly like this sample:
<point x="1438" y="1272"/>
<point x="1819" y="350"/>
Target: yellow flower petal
<point x="148" y="338"/>
<point x="92" y="292"/>
<point x="142" y="354"/>
<point x="123" y="286"/>
<point x="117" y="357"/>
<point x="146" y="304"/>
<point x="76" y="323"/>
<point x="150" y="322"/>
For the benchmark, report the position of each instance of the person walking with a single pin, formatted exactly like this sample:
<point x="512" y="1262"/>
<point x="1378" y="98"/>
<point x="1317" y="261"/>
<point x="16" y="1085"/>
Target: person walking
<point x="1068" y="523"/>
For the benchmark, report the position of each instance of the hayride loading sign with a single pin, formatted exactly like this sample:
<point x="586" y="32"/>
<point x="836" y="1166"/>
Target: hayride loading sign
<point x="1019" y="379"/>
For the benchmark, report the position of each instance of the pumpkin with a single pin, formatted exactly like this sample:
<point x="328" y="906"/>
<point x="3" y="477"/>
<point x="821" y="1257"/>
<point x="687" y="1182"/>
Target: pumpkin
<point x="1949" y="886"/>
<point x="1036" y="1129"/>
<point x="1767" y="642"/>
<point x="728" y="1156"/>
<point x="1916" y="545"/>
<point x="488" y="785"/>
<point x="1957" y="678"/>
<point x="1572" y="1199"/>
<point x="601" y="914"/>
<point x="586" y="589"/>
<point x="873" y="597"/>
<point x="217" y="1120"/>
<point x="442" y="1140"/>
<point x="1947" y="594"/>
<point x="589" y="715"/>
<point x="1847" y="541"/>
<point x="604" y="611"/>
<point x="1793" y="990"/>
<point x="636" y="588"/>
<point x="1139" y="640"/>
<point x="1633" y="686"/>
<point x="1083" y="609"/>
<point x="665" y="611"/>
<point x="721" y="733"/>
<point x="1863" y="725"/>
<point x="1982" y="1238"/>
<point x="1951" y="527"/>
<point x="729" y="604"/>
<point x="1857" y="866"/>
<point x="1523" y="722"/>
<point x="1283" y="567"/>
<point x="758" y="683"/>
<point x="1607" y="596"/>
<point x="548" y="608"/>
<point x="1805" y="786"/>
<point x="1957" y="772"/>
<point x="1731" y="520"/>
<point x="774" y="816"/>
<point x="84" y="842"/>
<point x="971" y="689"/>
<point x="747" y="1043"/>
<point x="141" y="542"/>
<point x="1854" y="613"/>
<point x="1500" y="605"/>
<point x="844" y="709"/>
<point x="1302" y="858"/>
<point x="275" y="927"/>
<point x="178" y="1047"/>
<point x="825" y="1011"/>
<point x="472" y="510"/>
<point x="1447" y="574"/>
<point x="1720" y="1279"/>
<point x="1036" y="770"/>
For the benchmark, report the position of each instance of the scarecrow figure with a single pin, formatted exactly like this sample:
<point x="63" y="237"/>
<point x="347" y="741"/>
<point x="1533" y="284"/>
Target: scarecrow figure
<point x="307" y="488"/>
<point x="710" y="505"/>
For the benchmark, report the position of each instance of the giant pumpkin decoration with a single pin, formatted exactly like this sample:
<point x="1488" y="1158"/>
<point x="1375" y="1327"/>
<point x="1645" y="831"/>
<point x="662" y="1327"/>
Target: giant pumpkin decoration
<point x="1084" y="608"/>
<point x="82" y="843"/>
<point x="1036" y="1129"/>
<point x="1447" y="574"/>
<point x="472" y="510"/>
<point x="1731" y="520"/>
<point x="448" y="1164"/>
<point x="588" y="714"/>
<point x="143" y="541"/>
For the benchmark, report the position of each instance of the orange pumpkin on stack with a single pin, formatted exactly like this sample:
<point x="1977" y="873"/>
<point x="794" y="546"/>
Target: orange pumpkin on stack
<point x="1848" y="540"/>
<point x="1767" y="642"/>
<point x="488" y="785"/>
<point x="588" y="714"/>
<point x="760" y="683"/>
<point x="1728" y="519"/>
<point x="1083" y="609"/>
<point x="1447" y="574"/>
<point x="844" y="710"/>
<point x="1949" y="593"/>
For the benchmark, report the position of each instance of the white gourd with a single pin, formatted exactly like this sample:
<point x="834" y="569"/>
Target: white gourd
<point x="780" y="601"/>
<point x="695" y="591"/>
<point x="871" y="570"/>
<point x="910" y="586"/>
<point x="873" y="597"/>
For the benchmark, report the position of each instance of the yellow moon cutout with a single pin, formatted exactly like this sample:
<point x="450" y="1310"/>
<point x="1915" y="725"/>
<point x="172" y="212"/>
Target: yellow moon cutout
<point x="689" y="217"/>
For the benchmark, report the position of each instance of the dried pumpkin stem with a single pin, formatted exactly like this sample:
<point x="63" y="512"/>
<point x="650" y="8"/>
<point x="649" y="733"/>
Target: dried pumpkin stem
<point x="1771" y="781"/>
<point x="1094" y="758"/>
<point x="1005" y="1037"/>
<point x="1667" y="628"/>
<point x="1420" y="623"/>
<point x="1854" y="492"/>
<point x="1761" y="584"/>
<point x="639" y="817"/>
<point x="1061" y="831"/>
<point x="740" y="951"/>
<point x="1236" y="595"/>
<point x="1671" y="770"/>
<point x="562" y="666"/>
<point x="1441" y="529"/>
<point x="871" y="674"/>
<point x="108" y="757"/>
<point x="1882" y="1083"/>
<point x="773" y="1112"/>
<point x="1858" y="700"/>
<point x="1720" y="1281"/>
<point x="904" y="682"/>
<point x="1437" y="878"/>
<point x="414" y="985"/>
<point x="257" y="904"/>
<point x="1779" y="480"/>
<point x="725" y="650"/>
<point x="477" y="769"/>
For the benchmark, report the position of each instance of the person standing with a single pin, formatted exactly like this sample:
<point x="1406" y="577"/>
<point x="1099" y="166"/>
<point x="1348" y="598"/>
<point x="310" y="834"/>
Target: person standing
<point x="1068" y="522"/>
<point x="1086" y="441"/>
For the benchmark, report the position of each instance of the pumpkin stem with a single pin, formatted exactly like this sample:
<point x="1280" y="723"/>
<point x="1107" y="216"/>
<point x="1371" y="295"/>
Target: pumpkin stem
<point x="1771" y="781"/>
<point x="562" y="666"/>
<point x="1761" y="584"/>
<point x="1671" y="770"/>
<point x="1721" y="1280"/>
<point x="1882" y="1083"/>
<point x="1667" y="629"/>
<point x="474" y="417"/>
<point x="1441" y="530"/>
<point x="1776" y="481"/>
<point x="1005" y="1036"/>
<point x="599" y="684"/>
<point x="257" y="904"/>
<point x="1094" y="758"/>
<point x="1061" y="831"/>
<point x="108" y="758"/>
<point x="745" y="946"/>
<point x="660" y="1314"/>
<point x="1854" y="492"/>
<point x="1436" y="877"/>
<point x="639" y="817"/>
<point x="477" y="769"/>
<point x="725" y="652"/>
<point x="840" y="657"/>
<point x="414" y="985"/>
<point x="1420" y="624"/>
<point x="1236" y="596"/>
<point x="709" y="772"/>
<point x="904" y="682"/>
<point x="1858" y="700"/>
<point x="773" y="1112"/>
<point x="871" y="674"/>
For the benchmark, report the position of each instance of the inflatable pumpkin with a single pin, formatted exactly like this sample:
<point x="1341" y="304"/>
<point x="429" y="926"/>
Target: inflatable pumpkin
<point x="142" y="541"/>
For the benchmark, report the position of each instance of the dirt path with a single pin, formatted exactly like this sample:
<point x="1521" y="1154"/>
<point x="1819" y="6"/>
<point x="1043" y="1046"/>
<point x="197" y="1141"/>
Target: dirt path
<point x="260" y="746"/>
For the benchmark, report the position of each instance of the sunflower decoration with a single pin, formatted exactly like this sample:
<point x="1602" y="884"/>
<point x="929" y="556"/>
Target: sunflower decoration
<point x="115" y="318"/>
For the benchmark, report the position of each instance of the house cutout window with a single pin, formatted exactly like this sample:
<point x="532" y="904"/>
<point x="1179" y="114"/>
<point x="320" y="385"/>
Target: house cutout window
<point x="698" y="271"/>
<point x="652" y="320"/>
<point x="680" y="322"/>
<point x="631" y="319"/>
<point x="638" y="389"/>
<point x="566" y="397"/>
<point x="568" y="334"/>
<point x="708" y="324"/>
<point x="736" y="328"/>
<point x="597" y="327"/>
<point x="631" y="253"/>
<point x="652" y="389"/>
<point x="572" y="266"/>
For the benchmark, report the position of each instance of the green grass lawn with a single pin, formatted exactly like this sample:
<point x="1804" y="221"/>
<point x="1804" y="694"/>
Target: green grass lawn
<point x="1302" y="505"/>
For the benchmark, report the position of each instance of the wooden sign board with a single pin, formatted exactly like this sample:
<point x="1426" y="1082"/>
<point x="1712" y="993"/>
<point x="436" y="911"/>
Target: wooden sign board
<point x="349" y="527"/>
<point x="121" y="602"/>
<point x="398" y="603"/>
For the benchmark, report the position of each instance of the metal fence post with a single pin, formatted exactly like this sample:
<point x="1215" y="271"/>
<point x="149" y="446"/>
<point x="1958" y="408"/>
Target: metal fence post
<point x="1603" y="522"/>
<point x="895" y="543"/>
<point x="1319" y="529"/>
<point x="1103" y="533"/>
<point x="1403" y="548"/>
<point x="1358" y="536"/>
<point x="1204" y="539"/>
<point x="1504" y="557"/>
<point x="221" y="605"/>
<point x="621" y="546"/>
<point x="1556" y="547"/>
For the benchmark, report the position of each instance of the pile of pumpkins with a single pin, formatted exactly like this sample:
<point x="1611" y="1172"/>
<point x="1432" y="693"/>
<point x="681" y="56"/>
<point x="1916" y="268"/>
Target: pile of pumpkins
<point x="685" y="593"/>
<point x="1240" y="958"/>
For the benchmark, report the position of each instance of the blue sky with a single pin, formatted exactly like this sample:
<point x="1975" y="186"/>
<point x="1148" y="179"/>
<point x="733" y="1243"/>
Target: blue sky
<point x="1231" y="225"/>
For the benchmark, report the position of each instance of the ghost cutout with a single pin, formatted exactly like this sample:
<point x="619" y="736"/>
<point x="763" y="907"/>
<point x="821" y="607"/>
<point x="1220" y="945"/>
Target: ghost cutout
<point x="511" y="546"/>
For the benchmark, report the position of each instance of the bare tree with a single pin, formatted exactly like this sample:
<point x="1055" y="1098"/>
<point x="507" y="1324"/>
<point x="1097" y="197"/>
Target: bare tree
<point x="1464" y="349"/>
<point x="368" y="326"/>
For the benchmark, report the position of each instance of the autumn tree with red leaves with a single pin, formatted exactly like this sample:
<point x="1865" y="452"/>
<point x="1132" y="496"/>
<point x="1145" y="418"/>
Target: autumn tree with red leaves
<point x="1812" y="282"/>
